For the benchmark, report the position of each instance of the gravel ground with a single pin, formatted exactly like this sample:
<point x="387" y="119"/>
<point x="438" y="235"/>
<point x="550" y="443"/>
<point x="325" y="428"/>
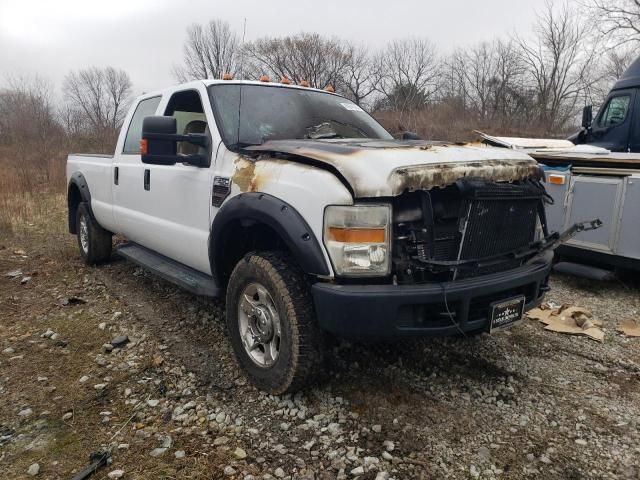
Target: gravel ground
<point x="172" y="403"/>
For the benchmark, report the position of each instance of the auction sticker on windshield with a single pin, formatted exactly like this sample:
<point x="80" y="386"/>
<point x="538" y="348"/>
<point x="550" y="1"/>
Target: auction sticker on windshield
<point x="351" y="106"/>
<point x="506" y="312"/>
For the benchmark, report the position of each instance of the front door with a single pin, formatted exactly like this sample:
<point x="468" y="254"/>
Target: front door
<point x="634" y="138"/>
<point x="179" y="195"/>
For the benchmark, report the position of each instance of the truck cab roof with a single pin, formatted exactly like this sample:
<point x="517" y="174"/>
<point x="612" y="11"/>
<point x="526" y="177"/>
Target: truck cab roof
<point x="631" y="77"/>
<point x="208" y="82"/>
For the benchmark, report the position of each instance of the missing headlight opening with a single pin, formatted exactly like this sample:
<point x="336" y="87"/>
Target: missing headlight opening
<point x="471" y="228"/>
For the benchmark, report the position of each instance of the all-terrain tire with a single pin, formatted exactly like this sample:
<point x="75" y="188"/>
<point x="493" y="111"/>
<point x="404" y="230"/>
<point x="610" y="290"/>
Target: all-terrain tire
<point x="95" y="242"/>
<point x="301" y="342"/>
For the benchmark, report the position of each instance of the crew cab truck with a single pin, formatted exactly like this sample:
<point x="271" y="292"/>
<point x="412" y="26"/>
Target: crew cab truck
<point x="300" y="210"/>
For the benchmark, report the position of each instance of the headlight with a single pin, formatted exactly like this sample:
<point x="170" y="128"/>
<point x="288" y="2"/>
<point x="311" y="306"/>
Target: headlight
<point x="357" y="238"/>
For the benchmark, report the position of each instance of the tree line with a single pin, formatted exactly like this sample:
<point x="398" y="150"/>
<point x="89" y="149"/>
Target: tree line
<point x="535" y="83"/>
<point x="514" y="85"/>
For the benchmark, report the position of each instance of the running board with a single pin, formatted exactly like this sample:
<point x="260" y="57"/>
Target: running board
<point x="186" y="277"/>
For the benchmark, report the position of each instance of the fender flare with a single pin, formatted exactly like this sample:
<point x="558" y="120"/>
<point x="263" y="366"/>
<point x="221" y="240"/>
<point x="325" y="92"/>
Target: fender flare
<point x="77" y="180"/>
<point x="277" y="214"/>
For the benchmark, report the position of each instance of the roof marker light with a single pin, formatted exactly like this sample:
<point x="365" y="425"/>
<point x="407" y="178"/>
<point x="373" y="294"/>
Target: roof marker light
<point x="304" y="83"/>
<point x="227" y="76"/>
<point x="264" y="78"/>
<point x="285" y="80"/>
<point x="329" y="88"/>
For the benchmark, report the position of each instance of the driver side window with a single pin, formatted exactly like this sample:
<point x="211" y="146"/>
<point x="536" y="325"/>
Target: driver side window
<point x="615" y="112"/>
<point x="186" y="108"/>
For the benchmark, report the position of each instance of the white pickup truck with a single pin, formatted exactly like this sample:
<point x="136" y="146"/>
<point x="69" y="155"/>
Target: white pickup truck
<point x="300" y="209"/>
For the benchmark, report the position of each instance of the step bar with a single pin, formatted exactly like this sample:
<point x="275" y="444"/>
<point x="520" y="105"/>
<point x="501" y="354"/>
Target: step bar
<point x="186" y="277"/>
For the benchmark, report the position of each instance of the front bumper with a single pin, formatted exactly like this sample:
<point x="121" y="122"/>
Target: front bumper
<point x="431" y="309"/>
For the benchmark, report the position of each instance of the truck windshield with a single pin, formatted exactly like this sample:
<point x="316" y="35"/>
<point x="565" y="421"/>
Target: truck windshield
<point x="270" y="112"/>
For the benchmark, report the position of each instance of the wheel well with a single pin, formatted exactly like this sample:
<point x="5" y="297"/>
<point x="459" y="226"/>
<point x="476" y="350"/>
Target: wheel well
<point x="73" y="200"/>
<point x="240" y="238"/>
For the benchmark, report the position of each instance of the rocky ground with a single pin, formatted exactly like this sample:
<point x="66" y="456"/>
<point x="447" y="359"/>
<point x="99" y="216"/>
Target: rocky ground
<point x="170" y="402"/>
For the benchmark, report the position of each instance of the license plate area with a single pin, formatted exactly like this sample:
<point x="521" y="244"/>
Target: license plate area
<point x="506" y="313"/>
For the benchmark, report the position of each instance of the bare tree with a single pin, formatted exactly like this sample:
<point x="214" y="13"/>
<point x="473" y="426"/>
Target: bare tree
<point x="611" y="65"/>
<point x="559" y="64"/>
<point x="618" y="20"/>
<point x="360" y="78"/>
<point x="306" y="56"/>
<point x="409" y="72"/>
<point x="27" y="114"/>
<point x="485" y="82"/>
<point x="100" y="96"/>
<point x="210" y="51"/>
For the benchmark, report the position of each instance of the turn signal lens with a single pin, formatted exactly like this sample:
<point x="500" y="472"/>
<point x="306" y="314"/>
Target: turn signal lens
<point x="357" y="235"/>
<point x="144" y="146"/>
<point x="556" y="179"/>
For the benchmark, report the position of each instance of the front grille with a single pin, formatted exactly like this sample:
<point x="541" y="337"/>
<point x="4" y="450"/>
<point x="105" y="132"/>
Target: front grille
<point x="474" y="223"/>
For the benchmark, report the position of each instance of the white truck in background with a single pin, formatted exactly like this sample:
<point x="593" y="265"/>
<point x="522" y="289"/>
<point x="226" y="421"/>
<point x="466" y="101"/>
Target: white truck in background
<point x="303" y="212"/>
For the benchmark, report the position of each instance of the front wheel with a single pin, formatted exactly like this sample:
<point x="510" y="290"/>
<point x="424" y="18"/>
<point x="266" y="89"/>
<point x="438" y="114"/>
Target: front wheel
<point x="95" y="242"/>
<point x="271" y="323"/>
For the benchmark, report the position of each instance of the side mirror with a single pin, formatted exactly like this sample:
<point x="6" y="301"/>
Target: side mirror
<point x="158" y="145"/>
<point x="410" y="136"/>
<point x="587" y="117"/>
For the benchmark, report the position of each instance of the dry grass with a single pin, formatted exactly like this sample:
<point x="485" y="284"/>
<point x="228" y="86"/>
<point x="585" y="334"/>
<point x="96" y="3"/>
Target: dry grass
<point x="30" y="188"/>
<point x="448" y="123"/>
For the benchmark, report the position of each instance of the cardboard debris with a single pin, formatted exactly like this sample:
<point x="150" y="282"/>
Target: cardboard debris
<point x="629" y="327"/>
<point x="568" y="319"/>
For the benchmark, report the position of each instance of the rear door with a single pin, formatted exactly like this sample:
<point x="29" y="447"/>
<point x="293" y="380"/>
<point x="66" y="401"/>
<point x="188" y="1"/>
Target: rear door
<point x="612" y="126"/>
<point x="127" y="175"/>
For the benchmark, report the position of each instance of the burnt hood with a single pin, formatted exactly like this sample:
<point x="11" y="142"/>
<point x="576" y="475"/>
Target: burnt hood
<point x="382" y="168"/>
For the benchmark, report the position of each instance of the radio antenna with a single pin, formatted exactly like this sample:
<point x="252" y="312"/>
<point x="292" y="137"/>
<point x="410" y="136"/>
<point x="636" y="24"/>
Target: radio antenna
<point x="244" y="32"/>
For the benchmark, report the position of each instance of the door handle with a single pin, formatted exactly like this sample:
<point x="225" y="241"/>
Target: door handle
<point x="116" y="175"/>
<point x="147" y="179"/>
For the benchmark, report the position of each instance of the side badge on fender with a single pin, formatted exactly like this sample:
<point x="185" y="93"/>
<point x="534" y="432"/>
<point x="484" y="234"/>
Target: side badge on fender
<point x="221" y="190"/>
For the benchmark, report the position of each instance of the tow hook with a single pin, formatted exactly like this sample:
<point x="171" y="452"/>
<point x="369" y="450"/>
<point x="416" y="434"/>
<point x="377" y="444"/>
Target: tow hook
<point x="556" y="239"/>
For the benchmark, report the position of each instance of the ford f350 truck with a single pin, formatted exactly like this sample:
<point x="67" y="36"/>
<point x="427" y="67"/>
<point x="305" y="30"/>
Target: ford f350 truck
<point x="309" y="218"/>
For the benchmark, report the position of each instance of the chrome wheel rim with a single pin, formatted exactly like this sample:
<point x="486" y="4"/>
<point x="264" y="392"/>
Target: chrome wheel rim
<point x="259" y="325"/>
<point x="84" y="234"/>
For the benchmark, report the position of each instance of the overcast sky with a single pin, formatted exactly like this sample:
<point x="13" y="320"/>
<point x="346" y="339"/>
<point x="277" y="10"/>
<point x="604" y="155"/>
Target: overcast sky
<point x="145" y="37"/>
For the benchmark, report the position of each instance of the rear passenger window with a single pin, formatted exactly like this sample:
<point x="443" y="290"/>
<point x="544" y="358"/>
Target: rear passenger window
<point x="616" y="111"/>
<point x="145" y="108"/>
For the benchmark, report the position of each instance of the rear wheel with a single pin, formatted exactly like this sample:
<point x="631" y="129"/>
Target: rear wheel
<point x="94" y="241"/>
<point x="271" y="323"/>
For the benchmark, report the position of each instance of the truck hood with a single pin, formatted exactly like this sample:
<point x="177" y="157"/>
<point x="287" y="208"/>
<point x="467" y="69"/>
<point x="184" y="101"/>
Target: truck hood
<point x="382" y="168"/>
